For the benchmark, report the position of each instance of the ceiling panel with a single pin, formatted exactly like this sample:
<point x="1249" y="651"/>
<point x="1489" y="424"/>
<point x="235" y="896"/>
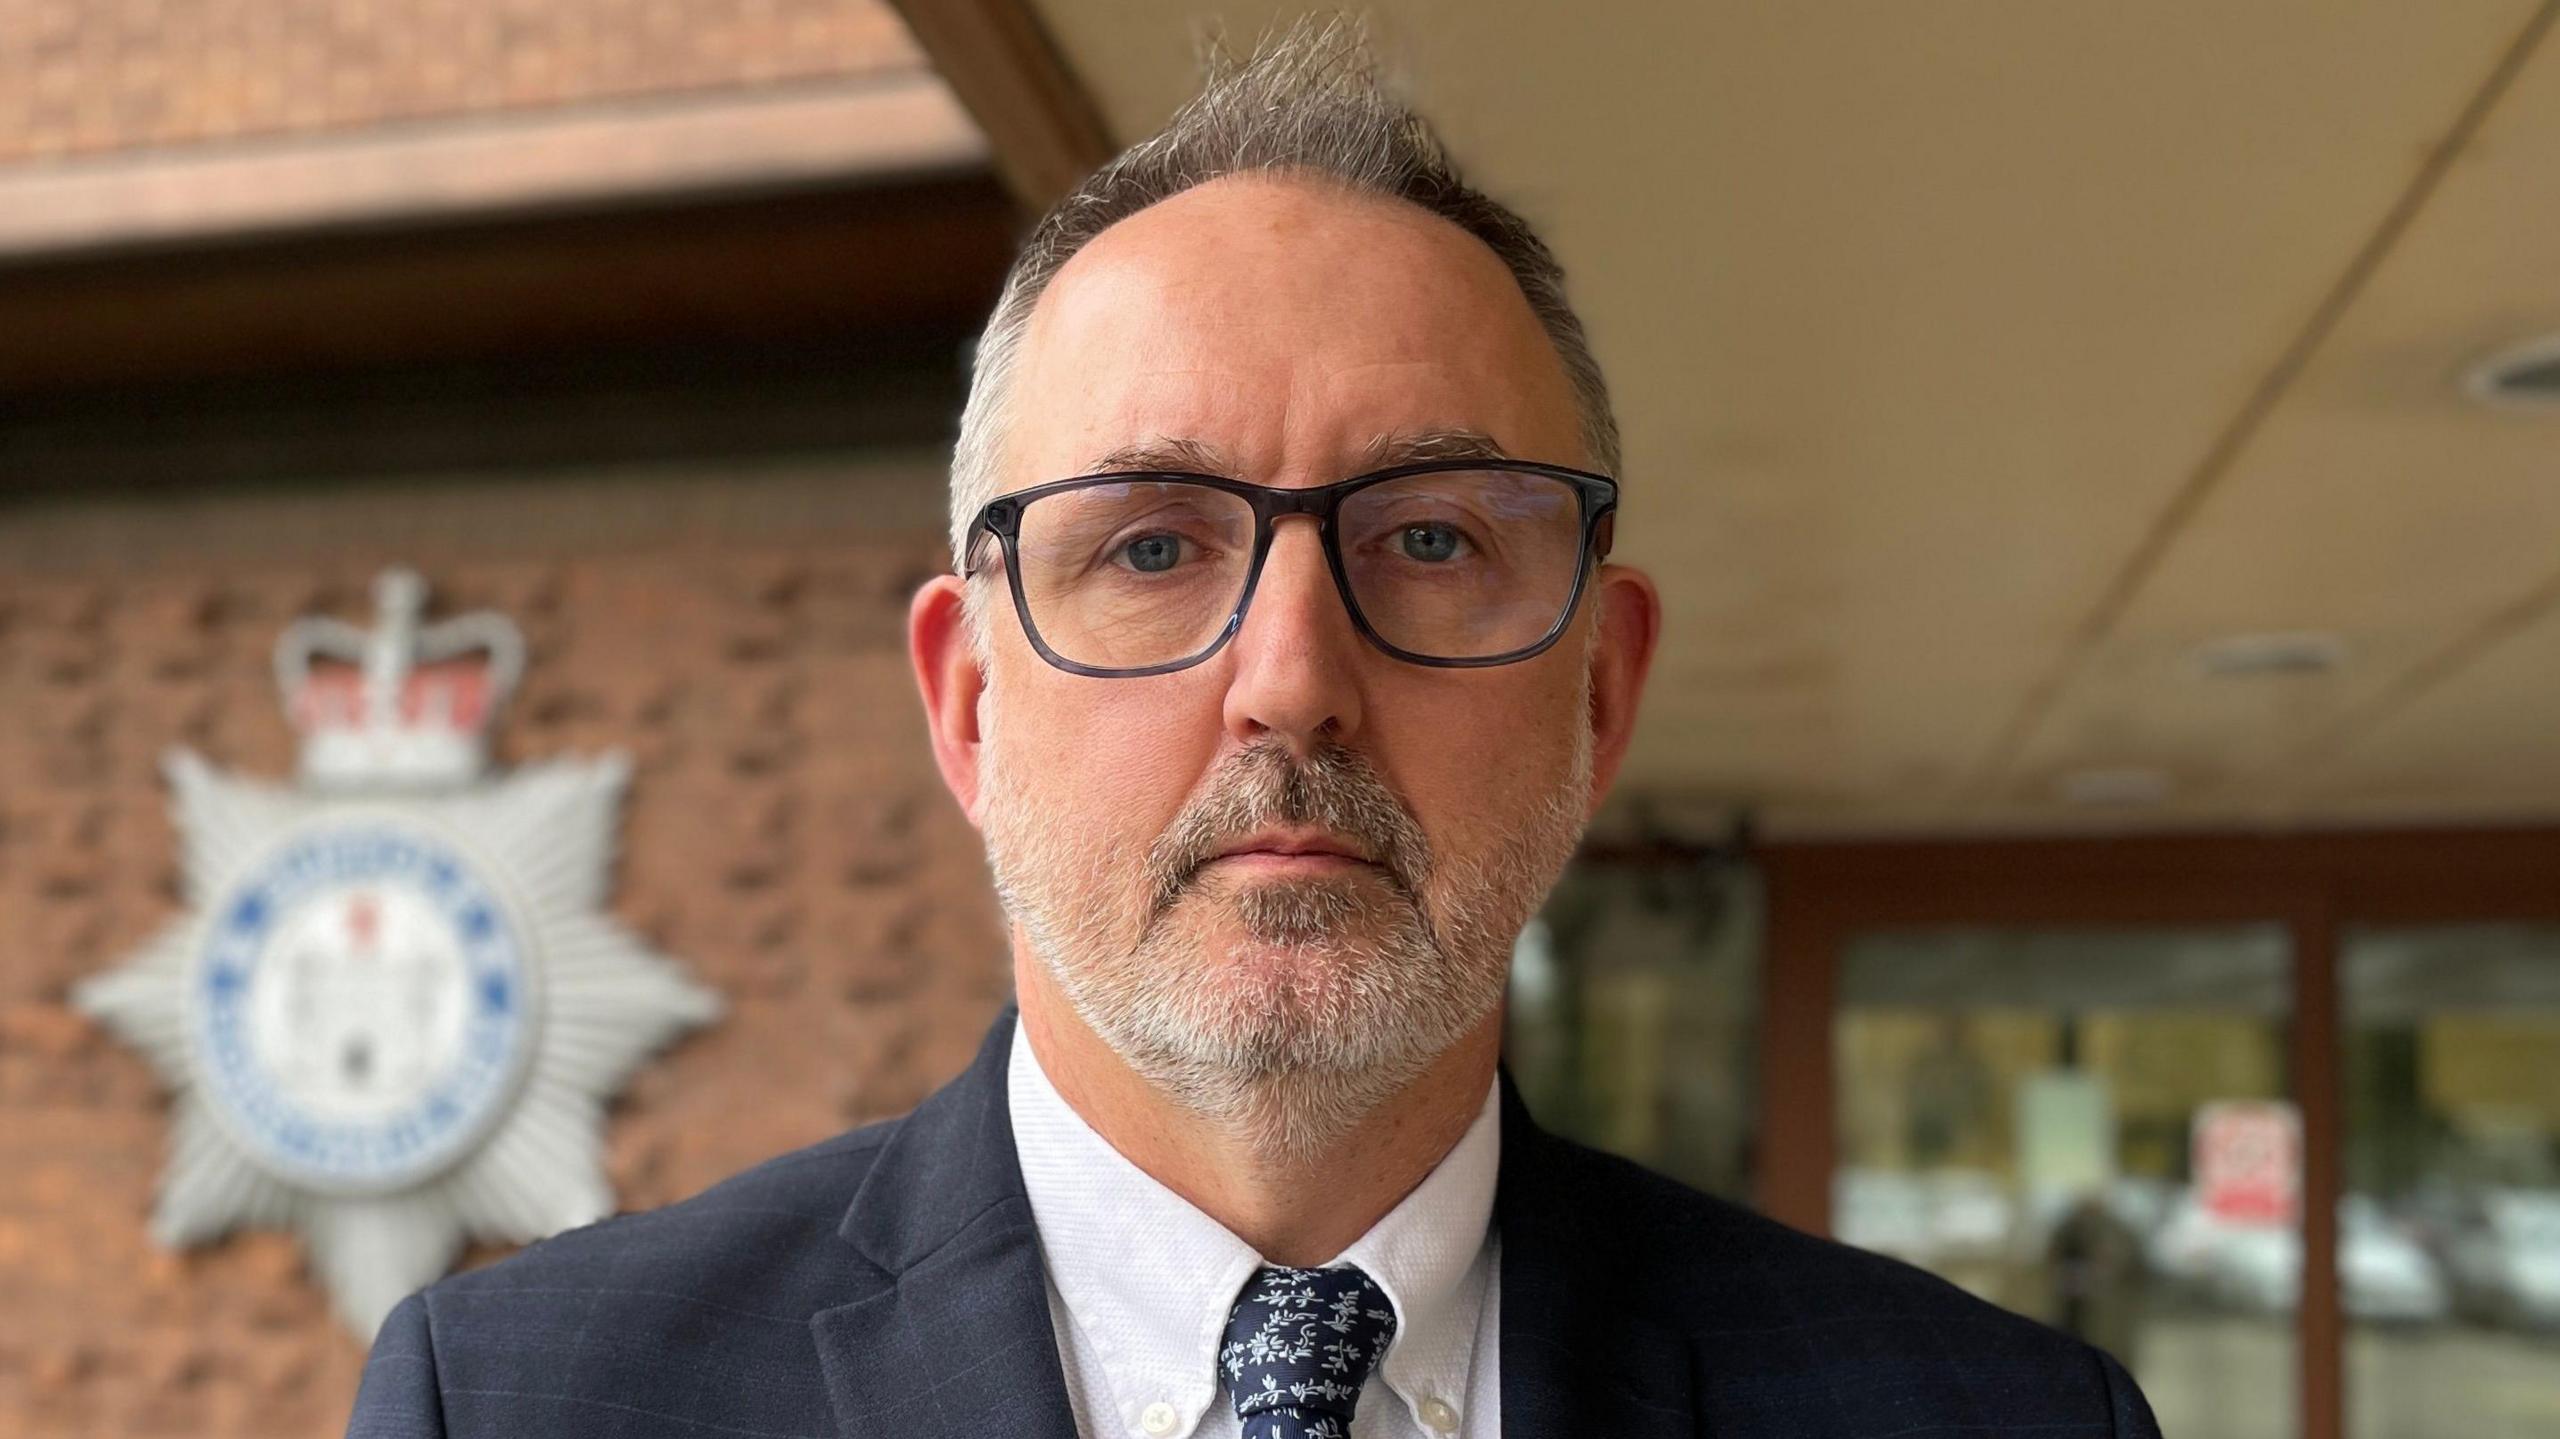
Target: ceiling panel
<point x="2482" y="745"/>
<point x="1918" y="318"/>
<point x="2382" y="504"/>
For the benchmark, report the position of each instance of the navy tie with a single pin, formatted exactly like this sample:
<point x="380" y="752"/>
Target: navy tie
<point x="1300" y="1343"/>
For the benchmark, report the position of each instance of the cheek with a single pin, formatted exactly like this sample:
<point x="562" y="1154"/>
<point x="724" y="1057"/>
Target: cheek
<point x="1119" y="756"/>
<point x="1471" y="761"/>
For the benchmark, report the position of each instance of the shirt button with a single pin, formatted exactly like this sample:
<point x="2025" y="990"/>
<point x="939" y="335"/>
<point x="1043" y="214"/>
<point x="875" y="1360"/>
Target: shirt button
<point x="1159" y="1419"/>
<point x="1438" y="1414"/>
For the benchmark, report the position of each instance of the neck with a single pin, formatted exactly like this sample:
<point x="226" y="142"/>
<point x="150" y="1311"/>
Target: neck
<point x="1302" y="1213"/>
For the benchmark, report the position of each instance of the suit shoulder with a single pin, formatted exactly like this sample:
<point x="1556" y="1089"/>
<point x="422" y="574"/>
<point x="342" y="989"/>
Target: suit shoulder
<point x="1707" y="1263"/>
<point x="1780" y="1320"/>
<point x="773" y="1208"/>
<point x="619" y="1320"/>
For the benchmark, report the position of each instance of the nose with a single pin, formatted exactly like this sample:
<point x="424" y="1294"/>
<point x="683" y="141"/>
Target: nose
<point x="1298" y="660"/>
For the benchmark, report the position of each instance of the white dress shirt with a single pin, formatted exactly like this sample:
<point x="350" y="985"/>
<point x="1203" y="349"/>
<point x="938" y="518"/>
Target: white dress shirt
<point x="1140" y="1284"/>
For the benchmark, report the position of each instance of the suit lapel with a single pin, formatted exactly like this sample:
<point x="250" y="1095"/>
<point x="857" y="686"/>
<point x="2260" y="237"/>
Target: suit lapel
<point x="955" y="1340"/>
<point x="1575" y="1358"/>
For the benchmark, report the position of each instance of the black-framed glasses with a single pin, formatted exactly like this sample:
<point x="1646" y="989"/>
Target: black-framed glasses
<point x="1457" y="563"/>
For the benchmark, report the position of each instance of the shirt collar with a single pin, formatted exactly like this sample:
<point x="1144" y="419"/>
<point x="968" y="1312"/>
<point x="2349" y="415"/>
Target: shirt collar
<point x="1147" y="1278"/>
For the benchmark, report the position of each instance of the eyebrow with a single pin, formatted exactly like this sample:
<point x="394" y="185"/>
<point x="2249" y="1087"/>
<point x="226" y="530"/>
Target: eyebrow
<point x="1401" y="447"/>
<point x="1411" y="446"/>
<point x="1161" y="453"/>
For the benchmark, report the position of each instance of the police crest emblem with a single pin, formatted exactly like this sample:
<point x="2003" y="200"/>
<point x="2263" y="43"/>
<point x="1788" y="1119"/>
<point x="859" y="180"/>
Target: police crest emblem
<point x="395" y="1008"/>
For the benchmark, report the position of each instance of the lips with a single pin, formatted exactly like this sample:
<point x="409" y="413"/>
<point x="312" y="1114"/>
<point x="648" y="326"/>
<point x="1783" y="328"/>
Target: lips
<point x="1304" y="859"/>
<point x="1295" y="845"/>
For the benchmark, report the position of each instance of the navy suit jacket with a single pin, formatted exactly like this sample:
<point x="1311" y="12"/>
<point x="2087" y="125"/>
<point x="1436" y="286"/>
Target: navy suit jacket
<point x="888" y="1282"/>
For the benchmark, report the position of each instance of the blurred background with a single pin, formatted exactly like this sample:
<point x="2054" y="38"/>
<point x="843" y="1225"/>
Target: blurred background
<point x="2095" y="828"/>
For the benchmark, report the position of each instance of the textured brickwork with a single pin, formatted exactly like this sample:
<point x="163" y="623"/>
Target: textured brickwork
<point x="84" y="77"/>
<point x="786" y="839"/>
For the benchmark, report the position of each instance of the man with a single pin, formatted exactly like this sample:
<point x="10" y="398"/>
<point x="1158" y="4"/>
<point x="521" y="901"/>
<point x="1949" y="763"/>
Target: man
<point x="1282" y="668"/>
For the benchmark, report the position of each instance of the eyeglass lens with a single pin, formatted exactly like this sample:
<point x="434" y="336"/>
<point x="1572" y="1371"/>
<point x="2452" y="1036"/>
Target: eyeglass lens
<point x="1451" y="564"/>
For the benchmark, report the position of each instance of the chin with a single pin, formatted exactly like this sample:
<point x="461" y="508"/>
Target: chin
<point x="1258" y="976"/>
<point x="1294" y="977"/>
<point x="1354" y="913"/>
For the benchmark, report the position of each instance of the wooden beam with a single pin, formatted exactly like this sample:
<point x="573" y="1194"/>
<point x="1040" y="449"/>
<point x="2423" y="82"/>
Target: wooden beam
<point x="2318" y="1089"/>
<point x="775" y="269"/>
<point x="1043" y="125"/>
<point x="877" y="132"/>
<point x="1799" y="1000"/>
<point x="2414" y="876"/>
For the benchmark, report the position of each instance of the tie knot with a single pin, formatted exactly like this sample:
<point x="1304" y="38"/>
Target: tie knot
<point x="1300" y="1343"/>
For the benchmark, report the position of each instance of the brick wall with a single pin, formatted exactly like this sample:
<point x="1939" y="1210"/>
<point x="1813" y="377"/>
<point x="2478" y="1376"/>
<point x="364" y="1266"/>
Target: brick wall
<point x="83" y="77"/>
<point x="786" y="839"/>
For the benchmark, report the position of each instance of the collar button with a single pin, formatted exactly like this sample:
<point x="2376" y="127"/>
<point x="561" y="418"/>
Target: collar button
<point x="1159" y="1420"/>
<point x="1439" y="1416"/>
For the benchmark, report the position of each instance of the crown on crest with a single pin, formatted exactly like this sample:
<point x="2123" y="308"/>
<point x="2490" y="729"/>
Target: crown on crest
<point x="403" y="705"/>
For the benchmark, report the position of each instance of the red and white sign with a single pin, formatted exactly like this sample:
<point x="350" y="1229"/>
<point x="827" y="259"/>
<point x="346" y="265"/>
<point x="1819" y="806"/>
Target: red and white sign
<point x="2247" y="1155"/>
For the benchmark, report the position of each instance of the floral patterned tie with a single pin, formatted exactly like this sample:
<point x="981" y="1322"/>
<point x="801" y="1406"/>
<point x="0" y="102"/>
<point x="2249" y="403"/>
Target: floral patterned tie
<point x="1300" y="1343"/>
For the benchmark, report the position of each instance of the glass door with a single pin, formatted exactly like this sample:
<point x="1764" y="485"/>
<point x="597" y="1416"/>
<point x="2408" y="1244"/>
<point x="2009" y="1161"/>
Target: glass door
<point x="2449" y="1220"/>
<point x="2091" y="1127"/>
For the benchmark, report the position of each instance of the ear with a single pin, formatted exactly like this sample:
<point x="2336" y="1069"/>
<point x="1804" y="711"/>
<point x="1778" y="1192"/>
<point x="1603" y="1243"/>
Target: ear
<point x="951" y="682"/>
<point x="1630" y="620"/>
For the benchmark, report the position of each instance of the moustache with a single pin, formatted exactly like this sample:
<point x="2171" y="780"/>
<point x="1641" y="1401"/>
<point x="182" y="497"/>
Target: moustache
<point x="1259" y="786"/>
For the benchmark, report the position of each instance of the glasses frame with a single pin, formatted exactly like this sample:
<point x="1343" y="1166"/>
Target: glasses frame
<point x="1002" y="517"/>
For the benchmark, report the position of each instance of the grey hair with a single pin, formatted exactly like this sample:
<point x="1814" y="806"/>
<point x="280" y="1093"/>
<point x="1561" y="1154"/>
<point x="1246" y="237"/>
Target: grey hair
<point x="1308" y="100"/>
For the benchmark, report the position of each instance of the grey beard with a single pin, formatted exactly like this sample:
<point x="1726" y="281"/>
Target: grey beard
<point x="1347" y="987"/>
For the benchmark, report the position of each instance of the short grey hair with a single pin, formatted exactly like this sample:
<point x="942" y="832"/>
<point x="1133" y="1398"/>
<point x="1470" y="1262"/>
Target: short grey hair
<point x="1308" y="100"/>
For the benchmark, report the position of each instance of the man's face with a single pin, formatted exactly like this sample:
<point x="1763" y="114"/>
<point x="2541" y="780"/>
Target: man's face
<point x="1285" y="333"/>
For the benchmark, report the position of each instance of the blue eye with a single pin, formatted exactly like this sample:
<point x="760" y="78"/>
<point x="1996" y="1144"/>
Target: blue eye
<point x="1429" y="543"/>
<point x="1152" y="554"/>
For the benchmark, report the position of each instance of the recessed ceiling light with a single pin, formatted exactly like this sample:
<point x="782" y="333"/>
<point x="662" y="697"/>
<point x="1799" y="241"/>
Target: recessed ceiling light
<point x="2121" y="788"/>
<point x="2521" y="377"/>
<point x="2294" y="652"/>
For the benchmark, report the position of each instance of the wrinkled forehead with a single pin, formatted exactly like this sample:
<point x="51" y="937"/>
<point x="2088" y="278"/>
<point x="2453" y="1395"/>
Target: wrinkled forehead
<point x="1288" y="329"/>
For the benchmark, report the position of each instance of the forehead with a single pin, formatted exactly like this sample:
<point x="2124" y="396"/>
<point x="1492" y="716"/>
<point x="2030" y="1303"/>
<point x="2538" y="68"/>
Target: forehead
<point x="1286" y="325"/>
